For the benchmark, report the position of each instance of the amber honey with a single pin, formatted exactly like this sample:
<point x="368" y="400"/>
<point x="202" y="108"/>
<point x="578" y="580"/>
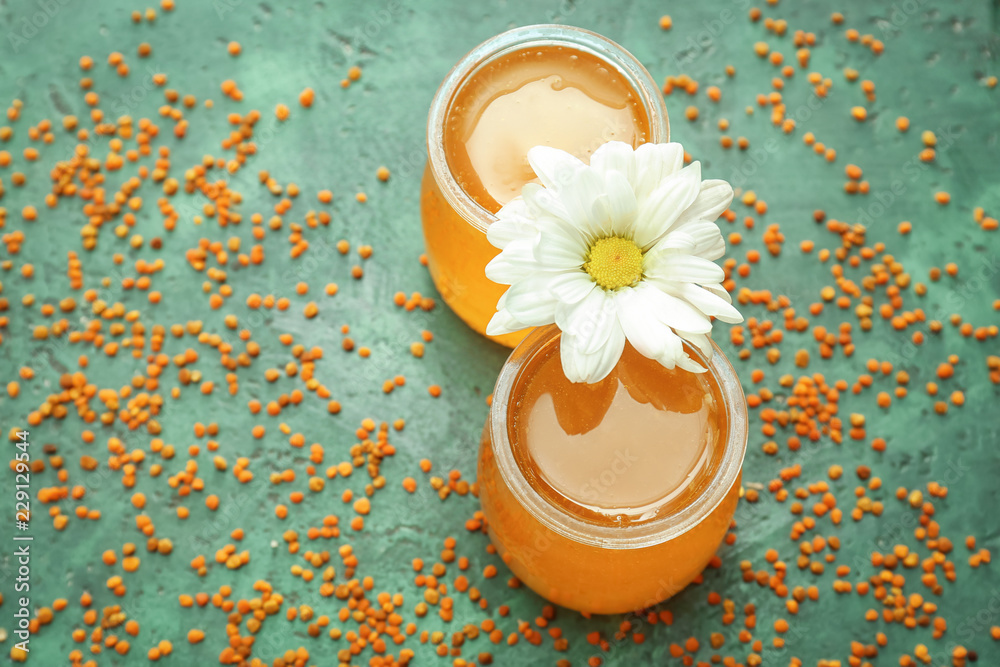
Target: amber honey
<point x="549" y="95"/>
<point x="540" y="85"/>
<point x="613" y="496"/>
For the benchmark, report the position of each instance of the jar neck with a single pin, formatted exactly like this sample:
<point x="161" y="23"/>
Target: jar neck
<point x="513" y="40"/>
<point x="656" y="531"/>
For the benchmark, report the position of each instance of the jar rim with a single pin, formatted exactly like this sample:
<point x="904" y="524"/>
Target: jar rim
<point x="656" y="531"/>
<point x="526" y="36"/>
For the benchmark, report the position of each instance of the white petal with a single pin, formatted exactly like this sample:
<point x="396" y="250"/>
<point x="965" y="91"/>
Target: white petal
<point x="542" y="203"/>
<point x="675" y="267"/>
<point x="578" y="200"/>
<point x="614" y="156"/>
<point x="701" y="341"/>
<point x="679" y="314"/>
<point x="715" y="251"/>
<point x="658" y="213"/>
<point x="588" y="322"/>
<point x="516" y="262"/>
<point x="708" y="303"/>
<point x="653" y="163"/>
<point x="560" y="245"/>
<point x="514" y="221"/>
<point x="555" y="168"/>
<point x="502" y="323"/>
<point x="672" y="311"/>
<point x="571" y="287"/>
<point x="580" y="367"/>
<point x="573" y="203"/>
<point x="719" y="291"/>
<point x="708" y="241"/>
<point x="621" y="203"/>
<point x="650" y="337"/>
<point x="654" y="339"/>
<point x="529" y="301"/>
<point x="714" y="198"/>
<point x="515" y="207"/>
<point x="700" y="238"/>
<point x="690" y="365"/>
<point x="676" y="241"/>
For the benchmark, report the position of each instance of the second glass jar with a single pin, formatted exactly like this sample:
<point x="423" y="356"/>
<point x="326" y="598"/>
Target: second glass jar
<point x="612" y="497"/>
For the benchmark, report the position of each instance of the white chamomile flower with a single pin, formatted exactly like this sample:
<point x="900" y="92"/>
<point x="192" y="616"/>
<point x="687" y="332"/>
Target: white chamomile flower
<point x="619" y="249"/>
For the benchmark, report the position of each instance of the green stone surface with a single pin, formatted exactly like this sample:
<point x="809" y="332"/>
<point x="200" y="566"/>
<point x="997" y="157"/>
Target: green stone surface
<point x="934" y="70"/>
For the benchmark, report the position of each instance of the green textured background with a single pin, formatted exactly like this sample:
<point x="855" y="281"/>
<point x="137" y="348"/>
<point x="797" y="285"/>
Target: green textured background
<point x="937" y="55"/>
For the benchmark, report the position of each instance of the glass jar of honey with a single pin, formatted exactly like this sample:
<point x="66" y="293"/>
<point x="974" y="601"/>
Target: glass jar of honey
<point x="549" y="85"/>
<point x="610" y="497"/>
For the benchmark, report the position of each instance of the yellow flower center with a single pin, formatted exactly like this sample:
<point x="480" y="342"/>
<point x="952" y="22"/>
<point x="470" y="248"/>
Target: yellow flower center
<point x="614" y="262"/>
